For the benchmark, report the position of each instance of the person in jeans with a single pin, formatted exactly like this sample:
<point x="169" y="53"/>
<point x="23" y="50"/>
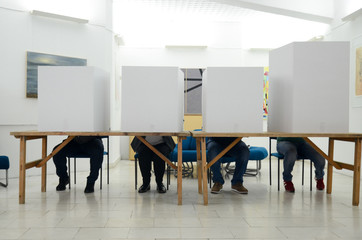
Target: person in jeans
<point x="240" y="152"/>
<point x="291" y="148"/>
<point x="165" y="145"/>
<point x="92" y="146"/>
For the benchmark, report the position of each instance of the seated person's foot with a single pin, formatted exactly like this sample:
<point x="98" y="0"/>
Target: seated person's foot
<point x="89" y="188"/>
<point x="289" y="186"/>
<point x="63" y="182"/>
<point x="320" y="184"/>
<point x="161" y="188"/>
<point x="216" y="188"/>
<point x="144" y="188"/>
<point x="239" y="188"/>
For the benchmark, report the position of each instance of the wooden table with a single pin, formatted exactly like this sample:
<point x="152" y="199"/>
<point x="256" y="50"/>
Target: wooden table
<point x="41" y="163"/>
<point x="356" y="138"/>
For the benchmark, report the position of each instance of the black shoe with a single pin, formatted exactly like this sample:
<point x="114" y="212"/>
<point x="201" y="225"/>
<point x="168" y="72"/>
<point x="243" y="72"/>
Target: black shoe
<point x="63" y="182"/>
<point x="161" y="188"/>
<point x="144" y="188"/>
<point x="89" y="188"/>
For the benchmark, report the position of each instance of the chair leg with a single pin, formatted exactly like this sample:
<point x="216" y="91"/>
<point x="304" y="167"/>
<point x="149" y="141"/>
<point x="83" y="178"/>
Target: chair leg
<point x="270" y="178"/>
<point x="310" y="187"/>
<point x="302" y="172"/>
<point x="100" y="183"/>
<point x="107" y="160"/>
<point x="69" y="171"/>
<point x="278" y="174"/>
<point x="75" y="171"/>
<point x="6" y="179"/>
<point x="135" y="175"/>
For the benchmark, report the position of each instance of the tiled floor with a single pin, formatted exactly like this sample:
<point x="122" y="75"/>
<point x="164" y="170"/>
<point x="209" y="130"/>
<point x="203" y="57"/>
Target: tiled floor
<point x="119" y="212"/>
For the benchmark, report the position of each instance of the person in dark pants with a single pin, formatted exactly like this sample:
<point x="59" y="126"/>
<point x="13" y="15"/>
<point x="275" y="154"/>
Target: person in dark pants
<point x="240" y="152"/>
<point x="165" y="145"/>
<point x="92" y="146"/>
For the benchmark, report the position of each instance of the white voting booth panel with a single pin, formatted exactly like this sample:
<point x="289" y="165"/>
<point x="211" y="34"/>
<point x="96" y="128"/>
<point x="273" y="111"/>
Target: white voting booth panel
<point x="232" y="99"/>
<point x="152" y="99"/>
<point x="309" y="88"/>
<point x="73" y="99"/>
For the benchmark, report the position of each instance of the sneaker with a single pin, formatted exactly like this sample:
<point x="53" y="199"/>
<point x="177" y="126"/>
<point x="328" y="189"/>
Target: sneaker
<point x="62" y="184"/>
<point x="289" y="186"/>
<point x="144" y="188"/>
<point x="161" y="188"/>
<point x="216" y="188"/>
<point x="89" y="188"/>
<point x="239" y="188"/>
<point x="320" y="184"/>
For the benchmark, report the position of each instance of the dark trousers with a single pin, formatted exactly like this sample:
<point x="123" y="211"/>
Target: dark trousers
<point x="94" y="149"/>
<point x="146" y="156"/>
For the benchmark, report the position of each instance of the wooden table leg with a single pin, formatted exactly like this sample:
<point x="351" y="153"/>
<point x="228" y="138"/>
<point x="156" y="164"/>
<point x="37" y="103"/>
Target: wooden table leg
<point x="204" y="170"/>
<point x="179" y="170"/>
<point x="199" y="165"/>
<point x="356" y="172"/>
<point x="44" y="167"/>
<point x="330" y="166"/>
<point x="22" y="169"/>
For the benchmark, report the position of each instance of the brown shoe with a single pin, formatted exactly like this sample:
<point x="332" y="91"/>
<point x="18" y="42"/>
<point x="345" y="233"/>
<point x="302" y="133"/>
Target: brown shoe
<point x="216" y="188"/>
<point x="239" y="188"/>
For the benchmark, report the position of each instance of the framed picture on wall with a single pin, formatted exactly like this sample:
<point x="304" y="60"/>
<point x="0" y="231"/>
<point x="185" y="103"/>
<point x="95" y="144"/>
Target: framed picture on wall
<point x="356" y="70"/>
<point x="34" y="59"/>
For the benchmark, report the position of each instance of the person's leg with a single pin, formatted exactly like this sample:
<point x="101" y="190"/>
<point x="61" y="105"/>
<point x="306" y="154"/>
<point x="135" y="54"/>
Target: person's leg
<point x="289" y="151"/>
<point x="241" y="154"/>
<point x="159" y="166"/>
<point x="145" y="158"/>
<point x="213" y="149"/>
<point x="95" y="150"/>
<point x="60" y="162"/>
<point x="307" y="151"/>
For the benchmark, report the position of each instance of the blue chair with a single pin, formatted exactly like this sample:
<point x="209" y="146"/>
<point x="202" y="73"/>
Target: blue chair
<point x="75" y="156"/>
<point x="281" y="157"/>
<point x="4" y="164"/>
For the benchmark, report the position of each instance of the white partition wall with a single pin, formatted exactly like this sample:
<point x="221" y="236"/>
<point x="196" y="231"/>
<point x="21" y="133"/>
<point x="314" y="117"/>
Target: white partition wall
<point x="232" y="99"/>
<point x="309" y="88"/>
<point x="73" y="99"/>
<point x="152" y="99"/>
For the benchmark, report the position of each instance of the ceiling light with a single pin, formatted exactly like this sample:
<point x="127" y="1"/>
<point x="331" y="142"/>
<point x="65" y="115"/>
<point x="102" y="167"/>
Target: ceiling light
<point x="57" y="16"/>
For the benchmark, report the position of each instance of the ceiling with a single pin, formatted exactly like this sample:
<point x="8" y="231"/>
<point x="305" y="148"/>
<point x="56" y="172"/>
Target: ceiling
<point x="288" y="24"/>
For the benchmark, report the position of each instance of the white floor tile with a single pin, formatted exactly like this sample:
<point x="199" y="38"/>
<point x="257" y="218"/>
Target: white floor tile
<point x="118" y="211"/>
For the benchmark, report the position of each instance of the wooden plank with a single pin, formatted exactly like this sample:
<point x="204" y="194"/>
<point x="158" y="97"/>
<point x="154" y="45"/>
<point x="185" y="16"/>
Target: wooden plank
<point x="44" y="168"/>
<point x="204" y="171"/>
<point x="179" y="170"/>
<point x="330" y="166"/>
<point x="330" y="160"/>
<point x="22" y="169"/>
<point x="55" y="151"/>
<point x="356" y="172"/>
<point x="223" y="152"/>
<point x="199" y="165"/>
<point x="34" y="134"/>
<point x="32" y="163"/>
<point x="157" y="152"/>
<point x="346" y="166"/>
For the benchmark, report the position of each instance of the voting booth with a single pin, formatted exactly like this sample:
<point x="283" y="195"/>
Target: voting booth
<point x="152" y="99"/>
<point x="309" y="88"/>
<point x="232" y="99"/>
<point x="73" y="98"/>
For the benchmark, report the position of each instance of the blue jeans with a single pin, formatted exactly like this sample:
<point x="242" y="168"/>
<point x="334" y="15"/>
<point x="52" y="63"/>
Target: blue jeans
<point x="240" y="152"/>
<point x="304" y="150"/>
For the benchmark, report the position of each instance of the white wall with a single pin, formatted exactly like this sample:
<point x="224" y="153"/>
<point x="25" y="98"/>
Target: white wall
<point x="22" y="32"/>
